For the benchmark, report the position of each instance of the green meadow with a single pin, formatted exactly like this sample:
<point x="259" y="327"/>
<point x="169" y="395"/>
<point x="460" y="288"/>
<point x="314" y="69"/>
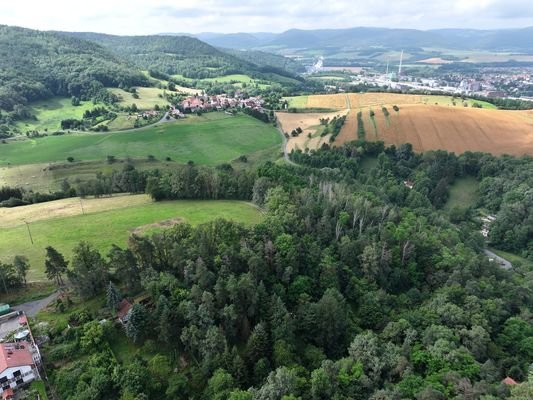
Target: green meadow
<point x="102" y="229"/>
<point x="463" y="193"/>
<point x="148" y="97"/>
<point x="49" y="114"/>
<point x="211" y="139"/>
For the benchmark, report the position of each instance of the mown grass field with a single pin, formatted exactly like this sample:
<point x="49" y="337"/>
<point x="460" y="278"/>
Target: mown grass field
<point x="210" y="139"/>
<point x="463" y="193"/>
<point x="149" y="97"/>
<point x="49" y="114"/>
<point x="236" y="79"/>
<point x="103" y="225"/>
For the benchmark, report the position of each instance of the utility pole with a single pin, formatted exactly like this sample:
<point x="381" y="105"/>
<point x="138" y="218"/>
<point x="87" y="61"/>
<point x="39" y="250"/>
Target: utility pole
<point x="29" y="231"/>
<point x="81" y="205"/>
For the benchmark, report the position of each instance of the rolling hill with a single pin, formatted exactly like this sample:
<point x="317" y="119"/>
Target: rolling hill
<point x="183" y="55"/>
<point x="37" y="65"/>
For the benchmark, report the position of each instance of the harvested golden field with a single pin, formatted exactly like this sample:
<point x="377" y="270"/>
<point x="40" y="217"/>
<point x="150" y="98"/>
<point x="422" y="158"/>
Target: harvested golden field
<point x="333" y="101"/>
<point x="432" y="122"/>
<point x="310" y="124"/>
<point x="454" y="129"/>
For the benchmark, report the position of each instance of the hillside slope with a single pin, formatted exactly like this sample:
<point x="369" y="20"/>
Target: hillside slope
<point x="171" y="55"/>
<point x="37" y="65"/>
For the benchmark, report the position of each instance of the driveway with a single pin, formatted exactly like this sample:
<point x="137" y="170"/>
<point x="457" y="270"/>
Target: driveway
<point x="497" y="259"/>
<point x="32" y="308"/>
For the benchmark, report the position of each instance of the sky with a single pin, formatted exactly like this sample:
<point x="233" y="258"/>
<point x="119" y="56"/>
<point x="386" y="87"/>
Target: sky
<point x="136" y="17"/>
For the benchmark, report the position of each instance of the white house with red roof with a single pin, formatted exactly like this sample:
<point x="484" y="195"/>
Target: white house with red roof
<point x="20" y="358"/>
<point x="18" y="366"/>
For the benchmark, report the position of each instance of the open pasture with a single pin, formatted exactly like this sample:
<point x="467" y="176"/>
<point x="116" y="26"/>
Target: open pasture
<point x="49" y="114"/>
<point x="210" y="139"/>
<point x="149" y="97"/>
<point x="106" y="221"/>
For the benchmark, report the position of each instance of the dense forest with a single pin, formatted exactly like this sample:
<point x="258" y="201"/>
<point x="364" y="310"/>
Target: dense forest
<point x="37" y="65"/>
<point x="182" y="55"/>
<point x="354" y="286"/>
<point x="264" y="59"/>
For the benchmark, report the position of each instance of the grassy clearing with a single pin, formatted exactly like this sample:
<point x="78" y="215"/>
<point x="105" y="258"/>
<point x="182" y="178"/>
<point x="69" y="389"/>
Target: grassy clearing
<point x="463" y="193"/>
<point x="210" y="139"/>
<point x="297" y="102"/>
<point x="57" y="318"/>
<point x="369" y="163"/>
<point x="51" y="112"/>
<point x="449" y="101"/>
<point x="236" y="79"/>
<point x="148" y="97"/>
<point x="112" y="226"/>
<point x="48" y="177"/>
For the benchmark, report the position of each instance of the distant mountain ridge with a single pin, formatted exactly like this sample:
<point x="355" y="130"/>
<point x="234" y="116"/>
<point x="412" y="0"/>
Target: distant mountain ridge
<point x="461" y="39"/>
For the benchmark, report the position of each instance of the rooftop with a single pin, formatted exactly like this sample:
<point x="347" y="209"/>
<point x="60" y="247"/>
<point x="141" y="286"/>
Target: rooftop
<point x="15" y="355"/>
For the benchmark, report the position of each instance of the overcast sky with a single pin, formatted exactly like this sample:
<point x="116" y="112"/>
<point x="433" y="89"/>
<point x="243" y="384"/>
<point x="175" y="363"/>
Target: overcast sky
<point x="156" y="16"/>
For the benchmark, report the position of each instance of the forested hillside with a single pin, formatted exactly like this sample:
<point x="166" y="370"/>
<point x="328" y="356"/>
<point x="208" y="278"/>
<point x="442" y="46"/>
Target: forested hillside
<point x="172" y="55"/>
<point x="266" y="60"/>
<point x="36" y="65"/>
<point x="353" y="287"/>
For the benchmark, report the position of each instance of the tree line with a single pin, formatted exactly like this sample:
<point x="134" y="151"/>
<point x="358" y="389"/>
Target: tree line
<point x="352" y="287"/>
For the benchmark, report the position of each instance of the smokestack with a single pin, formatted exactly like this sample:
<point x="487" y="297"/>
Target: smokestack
<point x="400" y="68"/>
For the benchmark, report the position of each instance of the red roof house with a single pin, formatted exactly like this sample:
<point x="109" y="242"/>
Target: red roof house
<point x="15" y="355"/>
<point x="123" y="309"/>
<point x="509" y="381"/>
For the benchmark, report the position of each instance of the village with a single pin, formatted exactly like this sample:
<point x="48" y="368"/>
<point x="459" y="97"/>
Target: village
<point x="206" y="103"/>
<point x="219" y="102"/>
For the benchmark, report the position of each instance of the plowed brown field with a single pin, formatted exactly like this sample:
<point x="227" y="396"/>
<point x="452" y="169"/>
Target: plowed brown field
<point x="431" y="127"/>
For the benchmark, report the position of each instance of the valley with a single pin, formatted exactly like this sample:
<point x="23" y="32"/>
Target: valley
<point x="310" y="214"/>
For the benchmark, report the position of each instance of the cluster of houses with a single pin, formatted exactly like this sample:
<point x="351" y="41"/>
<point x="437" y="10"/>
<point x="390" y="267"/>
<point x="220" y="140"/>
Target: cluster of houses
<point x="220" y="102"/>
<point x="20" y="359"/>
<point x="147" y="114"/>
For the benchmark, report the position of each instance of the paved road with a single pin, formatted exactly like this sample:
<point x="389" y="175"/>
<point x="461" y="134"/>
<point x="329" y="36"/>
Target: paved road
<point x="33" y="307"/>
<point x="497" y="259"/>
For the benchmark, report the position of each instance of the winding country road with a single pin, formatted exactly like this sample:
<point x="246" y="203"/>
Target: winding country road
<point x="500" y="260"/>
